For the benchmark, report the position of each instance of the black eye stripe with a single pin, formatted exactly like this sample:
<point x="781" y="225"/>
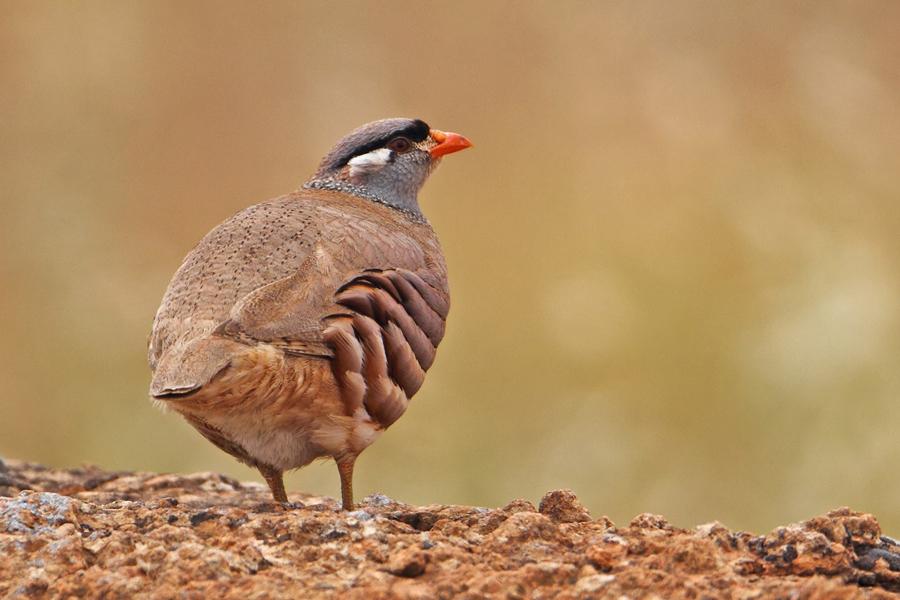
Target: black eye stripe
<point x="415" y="133"/>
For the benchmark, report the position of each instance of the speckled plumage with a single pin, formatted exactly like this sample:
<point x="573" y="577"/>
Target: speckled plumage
<point x="300" y="327"/>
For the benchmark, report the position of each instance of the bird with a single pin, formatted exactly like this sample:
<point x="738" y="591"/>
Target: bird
<point x="301" y="327"/>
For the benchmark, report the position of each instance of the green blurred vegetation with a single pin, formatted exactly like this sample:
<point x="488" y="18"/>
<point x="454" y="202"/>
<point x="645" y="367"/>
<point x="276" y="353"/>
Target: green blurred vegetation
<point x="674" y="249"/>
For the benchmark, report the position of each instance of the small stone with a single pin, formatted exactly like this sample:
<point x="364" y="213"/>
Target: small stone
<point x="593" y="584"/>
<point x="409" y="562"/>
<point x="650" y="521"/>
<point x="63" y="531"/>
<point x="361" y="515"/>
<point x="517" y="506"/>
<point x="378" y="500"/>
<point x="586" y="571"/>
<point x="70" y="489"/>
<point x="607" y="555"/>
<point x="563" y="507"/>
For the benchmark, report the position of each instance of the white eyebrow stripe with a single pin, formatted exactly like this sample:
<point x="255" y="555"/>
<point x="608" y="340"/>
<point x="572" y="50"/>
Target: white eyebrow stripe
<point x="372" y="160"/>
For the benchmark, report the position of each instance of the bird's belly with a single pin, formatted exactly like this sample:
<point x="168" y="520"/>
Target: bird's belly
<point x="282" y="448"/>
<point x="273" y="406"/>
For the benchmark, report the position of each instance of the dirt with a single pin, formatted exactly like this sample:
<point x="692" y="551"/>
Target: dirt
<point x="88" y="533"/>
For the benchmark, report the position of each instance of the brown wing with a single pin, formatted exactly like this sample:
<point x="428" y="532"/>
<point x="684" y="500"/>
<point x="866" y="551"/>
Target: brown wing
<point x="384" y="349"/>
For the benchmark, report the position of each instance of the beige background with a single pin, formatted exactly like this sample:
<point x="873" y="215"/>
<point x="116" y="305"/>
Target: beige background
<point x="674" y="250"/>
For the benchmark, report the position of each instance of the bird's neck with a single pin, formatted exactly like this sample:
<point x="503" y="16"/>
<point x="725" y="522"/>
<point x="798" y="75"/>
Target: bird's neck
<point x="409" y="206"/>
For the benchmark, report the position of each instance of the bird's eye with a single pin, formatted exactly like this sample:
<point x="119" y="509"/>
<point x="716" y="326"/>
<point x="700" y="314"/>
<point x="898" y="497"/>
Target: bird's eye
<point x="400" y="144"/>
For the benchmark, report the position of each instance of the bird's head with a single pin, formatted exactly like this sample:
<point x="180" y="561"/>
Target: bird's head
<point x="387" y="161"/>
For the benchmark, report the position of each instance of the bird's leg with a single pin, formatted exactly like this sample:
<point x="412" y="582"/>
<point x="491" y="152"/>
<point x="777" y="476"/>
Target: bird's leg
<point x="274" y="477"/>
<point x="345" y="468"/>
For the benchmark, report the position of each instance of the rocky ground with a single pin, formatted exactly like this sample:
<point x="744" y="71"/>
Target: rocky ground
<point x="87" y="533"/>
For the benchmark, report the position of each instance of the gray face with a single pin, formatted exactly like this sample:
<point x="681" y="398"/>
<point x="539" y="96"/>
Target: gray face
<point x="386" y="161"/>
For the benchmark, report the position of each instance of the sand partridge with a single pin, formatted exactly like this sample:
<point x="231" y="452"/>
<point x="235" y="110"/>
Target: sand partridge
<point x="301" y="327"/>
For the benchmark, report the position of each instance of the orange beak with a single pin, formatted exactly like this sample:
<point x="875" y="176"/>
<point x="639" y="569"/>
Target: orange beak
<point x="447" y="143"/>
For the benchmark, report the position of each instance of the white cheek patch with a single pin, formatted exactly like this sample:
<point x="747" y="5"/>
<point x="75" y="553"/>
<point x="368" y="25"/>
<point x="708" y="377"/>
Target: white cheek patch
<point x="369" y="162"/>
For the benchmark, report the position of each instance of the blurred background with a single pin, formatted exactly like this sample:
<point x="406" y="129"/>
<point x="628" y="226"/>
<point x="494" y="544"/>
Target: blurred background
<point x="674" y="249"/>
